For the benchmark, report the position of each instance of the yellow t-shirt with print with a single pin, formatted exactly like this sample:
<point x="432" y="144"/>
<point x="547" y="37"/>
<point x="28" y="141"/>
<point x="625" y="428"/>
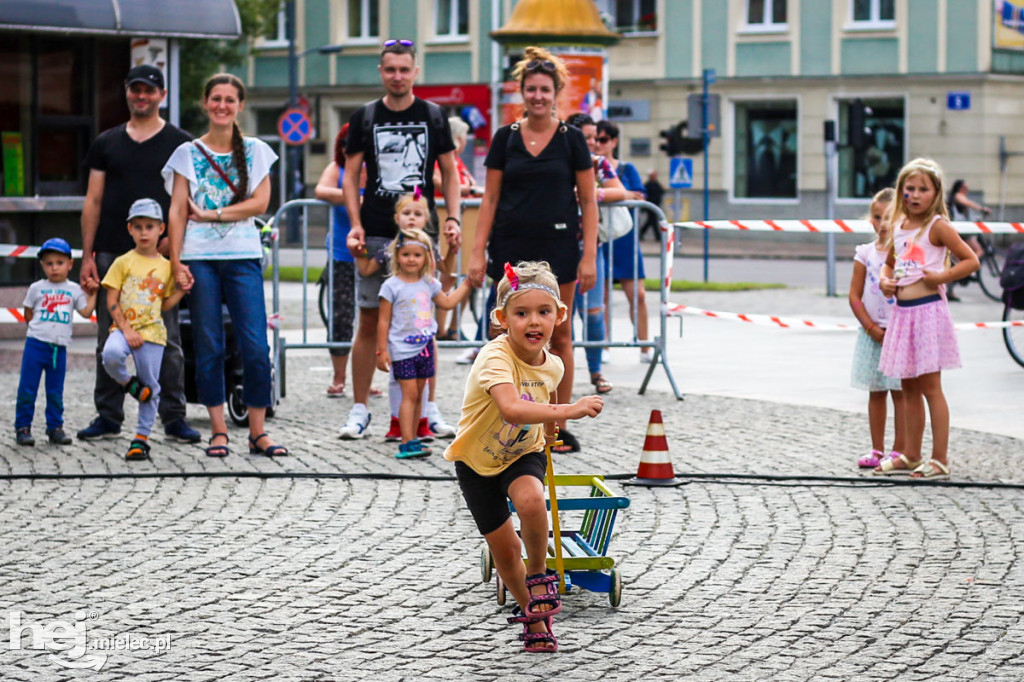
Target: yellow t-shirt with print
<point x="486" y="442"/>
<point x="144" y="283"/>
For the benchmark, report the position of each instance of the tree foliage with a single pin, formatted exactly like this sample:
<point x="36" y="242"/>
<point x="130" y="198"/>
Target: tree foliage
<point x="200" y="59"/>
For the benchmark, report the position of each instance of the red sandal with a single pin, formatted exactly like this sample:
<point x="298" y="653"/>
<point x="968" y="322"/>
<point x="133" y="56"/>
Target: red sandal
<point x="550" y="580"/>
<point x="535" y="642"/>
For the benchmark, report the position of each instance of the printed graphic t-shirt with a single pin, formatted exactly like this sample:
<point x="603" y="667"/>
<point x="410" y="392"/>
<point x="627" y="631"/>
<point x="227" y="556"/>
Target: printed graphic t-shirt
<point x="875" y="303"/>
<point x="413" y="324"/>
<point x="400" y="152"/>
<point x="144" y="283"/>
<point x="53" y="306"/>
<point x="486" y="442"/>
<point x="218" y="241"/>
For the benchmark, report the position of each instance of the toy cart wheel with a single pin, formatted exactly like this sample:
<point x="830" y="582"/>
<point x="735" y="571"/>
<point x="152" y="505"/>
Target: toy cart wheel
<point x="486" y="564"/>
<point x="502" y="594"/>
<point x="615" y="591"/>
<point x="237" y="409"/>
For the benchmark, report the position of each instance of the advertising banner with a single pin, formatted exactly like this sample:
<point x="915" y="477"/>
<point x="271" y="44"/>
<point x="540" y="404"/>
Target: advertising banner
<point x="1008" y="32"/>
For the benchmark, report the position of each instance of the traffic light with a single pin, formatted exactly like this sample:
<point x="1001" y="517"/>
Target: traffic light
<point x="673" y="144"/>
<point x="676" y="141"/>
<point x="857" y="134"/>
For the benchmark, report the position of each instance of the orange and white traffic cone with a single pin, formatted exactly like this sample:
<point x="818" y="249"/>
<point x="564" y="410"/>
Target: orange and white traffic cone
<point x="655" y="464"/>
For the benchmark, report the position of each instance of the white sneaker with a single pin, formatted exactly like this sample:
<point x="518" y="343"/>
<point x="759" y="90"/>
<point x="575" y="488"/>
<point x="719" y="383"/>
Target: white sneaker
<point x="438" y="426"/>
<point x="355" y="427"/>
<point x="467" y="357"/>
<point x="646" y="357"/>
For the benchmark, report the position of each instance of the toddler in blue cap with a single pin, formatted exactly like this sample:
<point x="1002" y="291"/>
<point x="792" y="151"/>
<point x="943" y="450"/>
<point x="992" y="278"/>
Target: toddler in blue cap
<point x="49" y="307"/>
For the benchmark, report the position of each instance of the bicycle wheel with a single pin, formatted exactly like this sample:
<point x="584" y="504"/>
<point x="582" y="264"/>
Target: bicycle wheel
<point x="1014" y="336"/>
<point x="321" y="296"/>
<point x="991" y="268"/>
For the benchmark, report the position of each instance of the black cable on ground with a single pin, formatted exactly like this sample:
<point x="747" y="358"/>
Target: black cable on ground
<point x="719" y="478"/>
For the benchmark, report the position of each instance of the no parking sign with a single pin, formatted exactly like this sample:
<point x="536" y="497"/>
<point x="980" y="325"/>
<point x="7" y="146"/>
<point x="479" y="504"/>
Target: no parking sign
<point x="294" y="127"/>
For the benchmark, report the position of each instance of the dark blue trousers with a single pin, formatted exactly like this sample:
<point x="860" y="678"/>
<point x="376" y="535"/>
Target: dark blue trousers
<point x="40" y="357"/>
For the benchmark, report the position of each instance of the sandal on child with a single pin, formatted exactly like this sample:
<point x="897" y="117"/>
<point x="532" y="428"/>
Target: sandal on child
<point x="933" y="468"/>
<point x="336" y="390"/>
<point x="870" y="461"/>
<point x="539" y="642"/>
<point x="137" y="451"/>
<point x="138" y="390"/>
<point x="269" y="451"/>
<point x="550" y="596"/>
<point x="569" y="443"/>
<point x="888" y="466"/>
<point x="412" y="448"/>
<point x="601" y="385"/>
<point x="218" y="450"/>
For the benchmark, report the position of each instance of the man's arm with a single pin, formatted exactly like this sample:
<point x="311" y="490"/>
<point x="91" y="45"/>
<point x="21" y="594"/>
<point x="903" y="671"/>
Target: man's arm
<point x="453" y="200"/>
<point x="90" y="224"/>
<point x="350" y="188"/>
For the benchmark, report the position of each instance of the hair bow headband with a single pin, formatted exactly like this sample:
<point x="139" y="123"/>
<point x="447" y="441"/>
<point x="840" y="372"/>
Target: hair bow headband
<point x="515" y="286"/>
<point x="417" y="193"/>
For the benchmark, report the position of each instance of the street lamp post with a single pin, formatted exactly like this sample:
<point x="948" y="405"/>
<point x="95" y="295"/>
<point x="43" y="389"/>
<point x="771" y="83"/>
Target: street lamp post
<point x="293" y="163"/>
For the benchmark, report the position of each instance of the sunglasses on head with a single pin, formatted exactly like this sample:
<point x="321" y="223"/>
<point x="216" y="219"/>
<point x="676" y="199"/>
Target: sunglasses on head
<point x="604" y="139"/>
<point x="540" y="65"/>
<point x="402" y="42"/>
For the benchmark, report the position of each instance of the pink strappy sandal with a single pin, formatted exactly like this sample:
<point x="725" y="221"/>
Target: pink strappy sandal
<point x="870" y="461"/>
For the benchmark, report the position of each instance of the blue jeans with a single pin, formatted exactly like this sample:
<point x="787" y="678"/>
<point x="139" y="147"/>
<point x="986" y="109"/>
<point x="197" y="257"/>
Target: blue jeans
<point x="40" y="357"/>
<point x="239" y="283"/>
<point x="593" y="299"/>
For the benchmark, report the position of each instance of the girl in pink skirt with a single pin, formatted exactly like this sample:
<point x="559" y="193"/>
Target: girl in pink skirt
<point x="920" y="341"/>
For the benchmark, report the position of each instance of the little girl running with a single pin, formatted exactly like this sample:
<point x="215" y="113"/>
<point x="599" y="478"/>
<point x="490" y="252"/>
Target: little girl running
<point x="406" y="323"/>
<point x="872" y="310"/>
<point x="920" y="341"/>
<point x="499" y="449"/>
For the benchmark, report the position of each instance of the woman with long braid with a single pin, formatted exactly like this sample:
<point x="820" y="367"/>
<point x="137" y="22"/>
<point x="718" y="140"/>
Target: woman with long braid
<point x="218" y="184"/>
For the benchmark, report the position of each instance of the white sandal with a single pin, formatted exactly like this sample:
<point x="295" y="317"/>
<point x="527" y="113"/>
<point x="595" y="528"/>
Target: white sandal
<point x="889" y="468"/>
<point x="933" y="468"/>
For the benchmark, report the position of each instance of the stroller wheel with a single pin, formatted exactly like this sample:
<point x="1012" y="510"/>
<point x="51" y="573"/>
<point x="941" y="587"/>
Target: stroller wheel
<point x="237" y="409"/>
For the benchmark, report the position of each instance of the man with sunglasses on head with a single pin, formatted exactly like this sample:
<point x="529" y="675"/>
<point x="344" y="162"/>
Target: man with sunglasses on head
<point x="124" y="165"/>
<point x="399" y="137"/>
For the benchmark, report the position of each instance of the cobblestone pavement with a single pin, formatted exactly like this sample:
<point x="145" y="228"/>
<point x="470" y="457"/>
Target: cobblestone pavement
<point x="258" y="569"/>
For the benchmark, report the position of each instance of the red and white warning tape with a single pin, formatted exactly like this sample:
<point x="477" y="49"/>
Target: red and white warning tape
<point x="16" y="251"/>
<point x="836" y="226"/>
<point x="677" y="309"/>
<point x="8" y="315"/>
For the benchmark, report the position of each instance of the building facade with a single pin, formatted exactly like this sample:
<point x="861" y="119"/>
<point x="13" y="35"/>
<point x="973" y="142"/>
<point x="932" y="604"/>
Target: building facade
<point x="938" y="78"/>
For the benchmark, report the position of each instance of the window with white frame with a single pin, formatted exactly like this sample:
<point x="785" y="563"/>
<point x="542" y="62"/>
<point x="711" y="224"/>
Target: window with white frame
<point x="766" y="150"/>
<point x="873" y="11"/>
<point x="629" y="16"/>
<point x="766" y="13"/>
<point x="874" y="166"/>
<point x="277" y="36"/>
<point x="451" y="18"/>
<point x="363" y="19"/>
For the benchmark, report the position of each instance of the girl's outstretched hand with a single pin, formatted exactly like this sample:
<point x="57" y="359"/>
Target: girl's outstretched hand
<point x="587" y="406"/>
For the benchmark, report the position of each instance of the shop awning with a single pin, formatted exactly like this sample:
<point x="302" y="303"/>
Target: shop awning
<point x="160" y="18"/>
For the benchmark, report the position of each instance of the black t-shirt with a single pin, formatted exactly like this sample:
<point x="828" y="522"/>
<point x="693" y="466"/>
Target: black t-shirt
<point x="400" y="154"/>
<point x="538" y="193"/>
<point x="132" y="172"/>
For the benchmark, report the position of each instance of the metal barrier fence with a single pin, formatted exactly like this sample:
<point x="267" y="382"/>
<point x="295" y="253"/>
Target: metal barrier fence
<point x="659" y="358"/>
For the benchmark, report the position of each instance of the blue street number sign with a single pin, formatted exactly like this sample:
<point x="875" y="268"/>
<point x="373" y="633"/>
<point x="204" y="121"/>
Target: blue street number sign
<point x="294" y="127"/>
<point x="958" y="101"/>
<point x="680" y="173"/>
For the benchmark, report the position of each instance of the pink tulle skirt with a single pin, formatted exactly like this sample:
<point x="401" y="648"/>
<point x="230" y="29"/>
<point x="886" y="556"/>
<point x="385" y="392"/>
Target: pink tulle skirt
<point x="920" y="339"/>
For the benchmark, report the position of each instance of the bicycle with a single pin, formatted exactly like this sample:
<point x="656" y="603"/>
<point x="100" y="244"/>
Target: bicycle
<point x="1013" y="337"/>
<point x="987" y="276"/>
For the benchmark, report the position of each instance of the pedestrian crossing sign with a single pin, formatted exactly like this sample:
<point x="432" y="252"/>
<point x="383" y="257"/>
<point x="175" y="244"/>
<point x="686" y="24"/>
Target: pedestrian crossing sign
<point x="680" y="173"/>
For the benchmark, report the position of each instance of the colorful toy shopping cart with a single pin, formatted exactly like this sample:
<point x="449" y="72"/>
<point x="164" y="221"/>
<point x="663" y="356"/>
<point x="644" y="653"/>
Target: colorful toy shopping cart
<point x="580" y="556"/>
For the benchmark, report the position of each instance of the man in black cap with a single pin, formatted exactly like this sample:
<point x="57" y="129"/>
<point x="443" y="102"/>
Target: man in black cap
<point x="124" y="165"/>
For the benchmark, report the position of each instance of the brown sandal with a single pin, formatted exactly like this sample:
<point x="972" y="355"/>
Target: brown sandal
<point x="601" y="385"/>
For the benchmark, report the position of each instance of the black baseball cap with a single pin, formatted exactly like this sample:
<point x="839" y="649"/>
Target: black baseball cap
<point x="144" y="73"/>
